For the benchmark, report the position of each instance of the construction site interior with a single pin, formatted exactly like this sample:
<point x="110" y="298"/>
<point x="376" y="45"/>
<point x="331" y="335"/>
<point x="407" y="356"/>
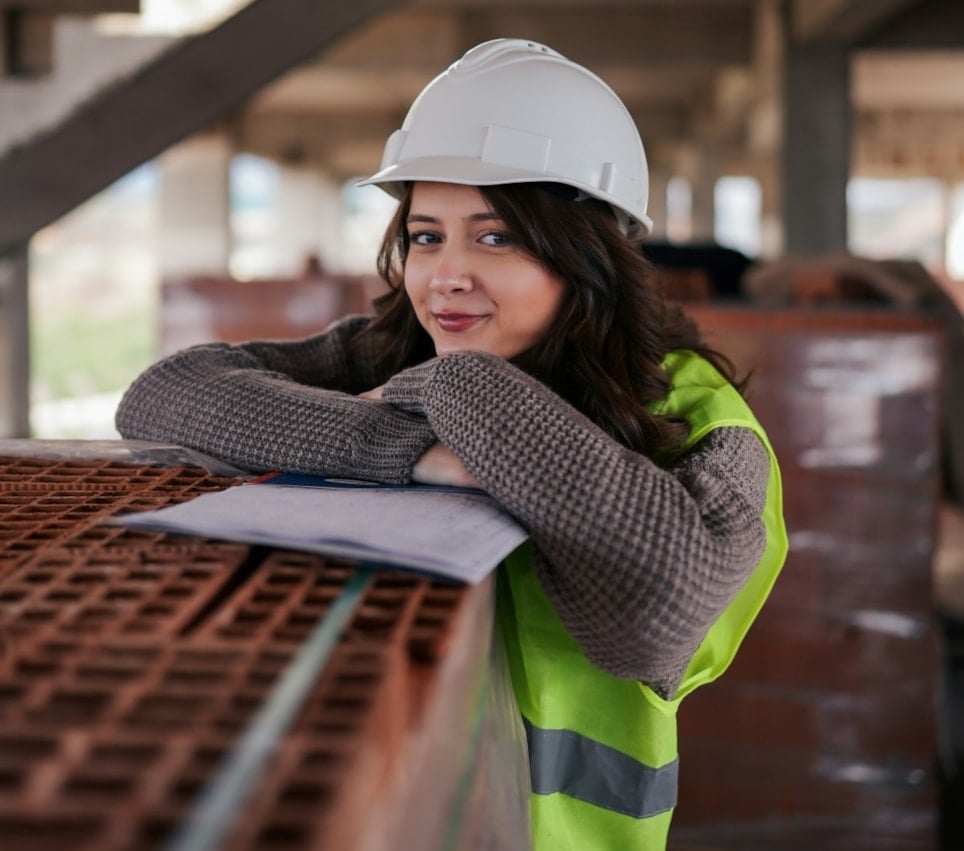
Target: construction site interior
<point x="181" y="171"/>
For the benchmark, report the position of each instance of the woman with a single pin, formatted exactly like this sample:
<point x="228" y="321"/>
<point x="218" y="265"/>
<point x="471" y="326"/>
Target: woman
<point x="524" y="349"/>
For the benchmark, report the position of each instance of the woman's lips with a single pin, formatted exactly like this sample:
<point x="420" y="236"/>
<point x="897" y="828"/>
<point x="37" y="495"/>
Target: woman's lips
<point x="455" y="322"/>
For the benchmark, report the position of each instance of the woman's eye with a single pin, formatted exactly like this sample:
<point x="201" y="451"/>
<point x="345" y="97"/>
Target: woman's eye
<point x="497" y="238"/>
<point x="423" y="237"/>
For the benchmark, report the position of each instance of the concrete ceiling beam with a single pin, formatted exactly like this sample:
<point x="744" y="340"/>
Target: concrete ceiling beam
<point x="842" y="21"/>
<point x="712" y="34"/>
<point x="72" y="7"/>
<point x="924" y="79"/>
<point x="542" y="6"/>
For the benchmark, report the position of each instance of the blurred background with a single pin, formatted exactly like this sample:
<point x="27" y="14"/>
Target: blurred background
<point x="772" y="128"/>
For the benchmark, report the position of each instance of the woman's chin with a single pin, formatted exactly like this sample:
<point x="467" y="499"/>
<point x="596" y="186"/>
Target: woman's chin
<point x="451" y="347"/>
<point x="442" y="349"/>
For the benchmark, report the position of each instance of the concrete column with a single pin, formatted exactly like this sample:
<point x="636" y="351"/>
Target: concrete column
<point x="309" y="219"/>
<point x="194" y="232"/>
<point x="14" y="345"/>
<point x="765" y="125"/>
<point x="658" y="178"/>
<point x="816" y="160"/>
<point x="954" y="238"/>
<point x="771" y="210"/>
<point x="704" y="184"/>
<point x="7" y="36"/>
<point x="679" y="209"/>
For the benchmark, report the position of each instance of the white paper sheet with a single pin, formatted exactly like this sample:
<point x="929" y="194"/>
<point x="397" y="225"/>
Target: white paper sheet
<point x="456" y="533"/>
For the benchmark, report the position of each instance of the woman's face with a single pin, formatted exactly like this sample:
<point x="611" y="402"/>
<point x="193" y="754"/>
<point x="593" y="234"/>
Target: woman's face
<point x="472" y="286"/>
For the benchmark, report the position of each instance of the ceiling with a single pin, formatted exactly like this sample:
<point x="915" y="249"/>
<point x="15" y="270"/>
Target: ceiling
<point x="704" y="80"/>
<point x="698" y="76"/>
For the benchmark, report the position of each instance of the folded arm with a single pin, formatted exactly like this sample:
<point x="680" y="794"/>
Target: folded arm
<point x="290" y="406"/>
<point x="638" y="560"/>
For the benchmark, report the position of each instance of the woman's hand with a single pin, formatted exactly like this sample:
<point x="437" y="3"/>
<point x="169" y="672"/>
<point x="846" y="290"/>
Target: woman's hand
<point x="439" y="466"/>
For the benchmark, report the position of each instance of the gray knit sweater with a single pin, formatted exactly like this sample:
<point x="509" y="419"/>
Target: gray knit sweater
<point x="638" y="560"/>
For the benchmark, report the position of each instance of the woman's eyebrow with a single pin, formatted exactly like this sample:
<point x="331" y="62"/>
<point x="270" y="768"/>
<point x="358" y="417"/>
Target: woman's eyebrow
<point x="475" y="217"/>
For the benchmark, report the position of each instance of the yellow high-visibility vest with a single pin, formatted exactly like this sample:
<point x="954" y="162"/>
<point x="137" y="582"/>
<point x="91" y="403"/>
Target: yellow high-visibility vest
<point x="602" y="750"/>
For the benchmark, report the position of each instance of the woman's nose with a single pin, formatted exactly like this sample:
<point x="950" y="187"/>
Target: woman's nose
<point x="451" y="275"/>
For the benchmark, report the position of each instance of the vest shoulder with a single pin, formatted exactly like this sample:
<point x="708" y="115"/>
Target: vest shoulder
<point x="703" y="396"/>
<point x="687" y="368"/>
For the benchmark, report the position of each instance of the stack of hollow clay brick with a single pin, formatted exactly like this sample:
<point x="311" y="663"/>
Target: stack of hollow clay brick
<point x="824" y="732"/>
<point x="132" y="662"/>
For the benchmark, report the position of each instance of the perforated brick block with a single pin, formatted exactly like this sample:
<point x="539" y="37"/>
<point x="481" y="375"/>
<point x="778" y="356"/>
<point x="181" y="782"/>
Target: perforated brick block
<point x="132" y="662"/>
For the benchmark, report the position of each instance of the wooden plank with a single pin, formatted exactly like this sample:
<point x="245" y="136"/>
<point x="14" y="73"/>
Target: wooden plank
<point x="190" y="86"/>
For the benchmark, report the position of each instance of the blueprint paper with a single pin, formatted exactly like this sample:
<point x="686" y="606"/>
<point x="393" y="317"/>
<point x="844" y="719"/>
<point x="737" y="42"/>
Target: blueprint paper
<point x="452" y="532"/>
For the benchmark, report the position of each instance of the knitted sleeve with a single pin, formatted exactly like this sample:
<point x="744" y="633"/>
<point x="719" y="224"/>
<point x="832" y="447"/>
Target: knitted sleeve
<point x="287" y="405"/>
<point x="638" y="560"/>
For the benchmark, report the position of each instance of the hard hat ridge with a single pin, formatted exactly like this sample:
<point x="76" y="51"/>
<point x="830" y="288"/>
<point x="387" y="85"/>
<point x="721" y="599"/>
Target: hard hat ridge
<point x="501" y="50"/>
<point x="515" y="111"/>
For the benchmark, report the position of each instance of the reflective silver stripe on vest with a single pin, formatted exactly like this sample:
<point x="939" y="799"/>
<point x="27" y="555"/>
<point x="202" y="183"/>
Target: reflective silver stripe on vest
<point x="565" y="761"/>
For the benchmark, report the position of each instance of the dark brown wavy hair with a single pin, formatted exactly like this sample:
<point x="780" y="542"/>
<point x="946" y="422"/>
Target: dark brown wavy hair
<point x="603" y="352"/>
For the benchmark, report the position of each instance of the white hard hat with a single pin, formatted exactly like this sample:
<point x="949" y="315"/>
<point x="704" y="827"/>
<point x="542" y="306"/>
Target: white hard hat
<point x="513" y="111"/>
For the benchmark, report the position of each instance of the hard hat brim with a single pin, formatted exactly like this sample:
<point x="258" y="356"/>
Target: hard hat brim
<point x="471" y="171"/>
<point x="466" y="170"/>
